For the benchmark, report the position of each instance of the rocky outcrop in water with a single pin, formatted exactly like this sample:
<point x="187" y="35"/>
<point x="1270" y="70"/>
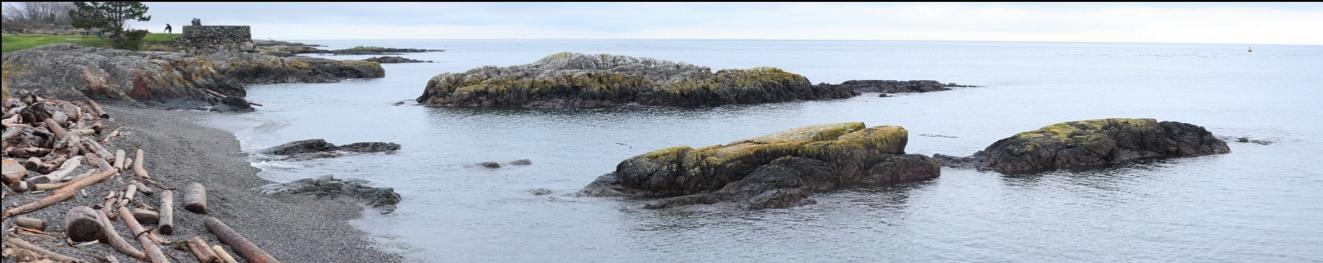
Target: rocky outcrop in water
<point x="1092" y="144"/>
<point x="217" y="80"/>
<point x="573" y="80"/>
<point x="772" y="171"/>
<point x="896" y="86"/>
<point x="383" y="198"/>
<point x="395" y="59"/>
<point x="319" y="148"/>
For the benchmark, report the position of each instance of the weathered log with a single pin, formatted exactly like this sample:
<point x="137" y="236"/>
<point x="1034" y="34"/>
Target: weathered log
<point x="29" y="222"/>
<point x="96" y="148"/>
<point x="96" y="109"/>
<point x="98" y="161"/>
<point x="15" y="241"/>
<point x="195" y="198"/>
<point x="54" y="128"/>
<point x="83" y="132"/>
<point x="119" y="160"/>
<point x="63" y="193"/>
<point x="81" y="224"/>
<point x="46" y="186"/>
<point x="112" y="237"/>
<point x="26" y="152"/>
<point x="11" y="171"/>
<point x="129" y="193"/>
<point x="201" y="250"/>
<point x="21" y="186"/>
<point x="166" y="224"/>
<point x="241" y="245"/>
<point x="153" y="252"/>
<point x="112" y="198"/>
<point x="137" y="166"/>
<point x="146" y="217"/>
<point x="144" y="189"/>
<point x="43" y="167"/>
<point x="128" y="162"/>
<point x="68" y="167"/>
<point x="224" y="256"/>
<point x="97" y="127"/>
<point x="113" y="133"/>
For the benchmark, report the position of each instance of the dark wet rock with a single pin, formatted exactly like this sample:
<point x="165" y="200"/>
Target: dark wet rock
<point x="492" y="165"/>
<point x="395" y="59"/>
<point x="1246" y="140"/>
<point x="398" y="103"/>
<point x="896" y="86"/>
<point x="318" y="148"/>
<point x="371" y="50"/>
<point x="521" y="162"/>
<point x="495" y="165"/>
<point x="369" y="147"/>
<point x="269" y="43"/>
<point x="170" y="79"/>
<point x="383" y="198"/>
<point x="771" y="171"/>
<point x="304" y="146"/>
<point x="573" y="80"/>
<point x="883" y="95"/>
<point x="540" y="191"/>
<point x="1097" y="143"/>
<point x="956" y="161"/>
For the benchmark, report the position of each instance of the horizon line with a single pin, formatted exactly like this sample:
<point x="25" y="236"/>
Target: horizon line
<point x="773" y="39"/>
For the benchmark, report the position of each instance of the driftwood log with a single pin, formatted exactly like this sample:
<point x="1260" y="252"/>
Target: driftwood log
<point x="195" y="198"/>
<point x="146" y="217"/>
<point x="201" y="250"/>
<point x="241" y="245"/>
<point x="54" y="128"/>
<point x="119" y="159"/>
<point x="112" y="237"/>
<point x="69" y="166"/>
<point x="166" y="222"/>
<point x="63" y="193"/>
<point x="97" y="160"/>
<point x="137" y="166"/>
<point x="15" y="241"/>
<point x="11" y="171"/>
<point x="81" y="224"/>
<point x="149" y="246"/>
<point x="224" y="256"/>
<point x="29" y="222"/>
<point x="96" y="109"/>
<point x="129" y="193"/>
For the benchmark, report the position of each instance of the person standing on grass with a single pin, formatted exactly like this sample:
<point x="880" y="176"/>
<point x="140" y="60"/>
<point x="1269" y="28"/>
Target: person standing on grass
<point x="167" y="29"/>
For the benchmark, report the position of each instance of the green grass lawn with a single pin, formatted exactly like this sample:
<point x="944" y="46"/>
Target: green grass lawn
<point x="13" y="43"/>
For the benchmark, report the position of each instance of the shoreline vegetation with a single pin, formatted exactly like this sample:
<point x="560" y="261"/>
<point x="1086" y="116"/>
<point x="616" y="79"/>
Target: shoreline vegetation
<point x="18" y="42"/>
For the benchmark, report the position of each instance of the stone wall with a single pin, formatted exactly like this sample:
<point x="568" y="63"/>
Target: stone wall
<point x="208" y="39"/>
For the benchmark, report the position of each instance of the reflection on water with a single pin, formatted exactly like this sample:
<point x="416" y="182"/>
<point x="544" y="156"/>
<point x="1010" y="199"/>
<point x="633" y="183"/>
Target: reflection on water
<point x="1258" y="203"/>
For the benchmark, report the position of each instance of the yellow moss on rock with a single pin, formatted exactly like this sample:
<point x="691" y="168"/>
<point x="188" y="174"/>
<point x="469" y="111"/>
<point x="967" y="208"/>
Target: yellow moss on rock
<point x="811" y="133"/>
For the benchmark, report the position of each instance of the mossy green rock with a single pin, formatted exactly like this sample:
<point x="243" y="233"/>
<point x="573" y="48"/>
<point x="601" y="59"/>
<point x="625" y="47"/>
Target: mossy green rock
<point x="813" y="158"/>
<point x="573" y="80"/>
<point x="1097" y="143"/>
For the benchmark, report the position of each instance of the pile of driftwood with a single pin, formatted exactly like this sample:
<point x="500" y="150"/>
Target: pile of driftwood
<point x="46" y="140"/>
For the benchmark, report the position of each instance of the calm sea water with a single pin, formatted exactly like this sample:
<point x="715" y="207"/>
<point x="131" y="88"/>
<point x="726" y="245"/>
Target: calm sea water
<point x="1259" y="203"/>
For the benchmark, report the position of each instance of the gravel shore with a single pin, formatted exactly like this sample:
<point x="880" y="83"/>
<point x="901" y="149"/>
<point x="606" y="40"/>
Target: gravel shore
<point x="180" y="151"/>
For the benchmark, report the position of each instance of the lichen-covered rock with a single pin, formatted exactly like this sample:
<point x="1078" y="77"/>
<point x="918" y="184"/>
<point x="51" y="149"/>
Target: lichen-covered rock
<point x="1097" y="143"/>
<point x="73" y="72"/>
<point x="812" y="159"/>
<point x="573" y="80"/>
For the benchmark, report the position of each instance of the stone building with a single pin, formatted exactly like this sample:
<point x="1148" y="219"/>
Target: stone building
<point x="210" y="39"/>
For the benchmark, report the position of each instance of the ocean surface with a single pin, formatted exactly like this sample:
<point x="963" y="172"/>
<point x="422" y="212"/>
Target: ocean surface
<point x="1260" y="203"/>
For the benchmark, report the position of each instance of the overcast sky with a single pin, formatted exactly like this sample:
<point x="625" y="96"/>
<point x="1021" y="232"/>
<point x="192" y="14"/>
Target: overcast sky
<point x="1249" y="23"/>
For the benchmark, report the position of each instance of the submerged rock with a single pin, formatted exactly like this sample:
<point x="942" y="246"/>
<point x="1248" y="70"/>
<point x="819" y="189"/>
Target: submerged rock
<point x="383" y="198"/>
<point x="372" y="50"/>
<point x="771" y="171"/>
<point x="1097" y="143"/>
<point x="74" y="72"/>
<point x="395" y="59"/>
<point x="573" y="80"/>
<point x="319" y="148"/>
<point x="896" y="86"/>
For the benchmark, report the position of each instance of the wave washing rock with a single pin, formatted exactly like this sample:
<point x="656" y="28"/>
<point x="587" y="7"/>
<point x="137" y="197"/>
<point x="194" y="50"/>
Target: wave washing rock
<point x="383" y="198"/>
<point x="896" y="86"/>
<point x="573" y="80"/>
<point x="319" y="148"/>
<point x="73" y="72"/>
<point x="1092" y="144"/>
<point x="772" y="171"/>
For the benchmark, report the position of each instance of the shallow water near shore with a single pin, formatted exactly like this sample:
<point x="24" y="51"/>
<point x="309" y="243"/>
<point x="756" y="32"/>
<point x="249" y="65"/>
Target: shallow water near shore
<point x="1258" y="203"/>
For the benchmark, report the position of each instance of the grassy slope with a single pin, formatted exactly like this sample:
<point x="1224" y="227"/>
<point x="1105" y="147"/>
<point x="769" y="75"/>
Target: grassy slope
<point x="13" y="43"/>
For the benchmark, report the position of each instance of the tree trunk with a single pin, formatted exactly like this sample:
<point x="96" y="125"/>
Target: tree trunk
<point x="241" y="245"/>
<point x="224" y="256"/>
<point x="137" y="166"/>
<point x="119" y="159"/>
<point x="153" y="252"/>
<point x="201" y="250"/>
<point x="146" y="217"/>
<point x="15" y="241"/>
<point x="29" y="222"/>
<point x="195" y="198"/>
<point x="112" y="237"/>
<point x="166" y="224"/>
<point x="96" y="109"/>
<point x="81" y="224"/>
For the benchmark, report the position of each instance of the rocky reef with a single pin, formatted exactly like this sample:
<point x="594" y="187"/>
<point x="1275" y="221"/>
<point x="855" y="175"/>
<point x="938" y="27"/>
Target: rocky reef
<point x="319" y="148"/>
<point x="1091" y="144"/>
<point x="383" y="198"/>
<point x="896" y="86"/>
<point x="573" y="80"/>
<point x="395" y="59"/>
<point x="773" y="171"/>
<point x="214" y="81"/>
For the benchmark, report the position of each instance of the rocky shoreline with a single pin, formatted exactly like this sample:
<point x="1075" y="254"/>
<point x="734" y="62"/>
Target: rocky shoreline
<point x="179" y="152"/>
